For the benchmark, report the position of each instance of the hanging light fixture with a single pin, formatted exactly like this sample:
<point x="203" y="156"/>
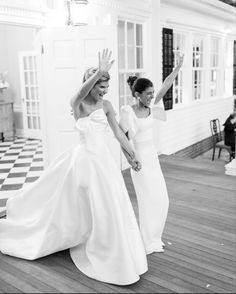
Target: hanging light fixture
<point x="77" y="12"/>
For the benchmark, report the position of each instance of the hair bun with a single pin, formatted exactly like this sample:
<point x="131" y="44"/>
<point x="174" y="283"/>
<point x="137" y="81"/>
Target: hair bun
<point x="131" y="80"/>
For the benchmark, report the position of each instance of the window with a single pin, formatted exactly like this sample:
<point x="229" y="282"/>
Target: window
<point x="130" y="55"/>
<point x="197" y="72"/>
<point x="214" y="67"/>
<point x="234" y="69"/>
<point x="178" y="47"/>
<point x="228" y="72"/>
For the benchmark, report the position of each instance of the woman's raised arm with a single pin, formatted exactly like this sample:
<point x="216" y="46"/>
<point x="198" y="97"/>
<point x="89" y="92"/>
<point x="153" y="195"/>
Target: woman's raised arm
<point x="169" y="80"/>
<point x="104" y="66"/>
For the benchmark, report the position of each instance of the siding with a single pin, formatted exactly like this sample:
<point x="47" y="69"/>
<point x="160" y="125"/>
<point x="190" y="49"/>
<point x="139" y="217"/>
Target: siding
<point x="190" y="125"/>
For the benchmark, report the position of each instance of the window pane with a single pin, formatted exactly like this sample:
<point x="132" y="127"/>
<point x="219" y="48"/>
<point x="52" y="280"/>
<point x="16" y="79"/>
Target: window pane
<point x="199" y="77"/>
<point x="31" y="62"/>
<point x="32" y="93"/>
<point x="201" y="60"/>
<point x="122" y="101"/>
<point x="25" y="63"/>
<point x="31" y="78"/>
<point x="36" y="93"/>
<point x="195" y="92"/>
<point x="131" y="57"/>
<point x="180" y="78"/>
<point x="26" y="78"/>
<point x="213" y="75"/>
<point x="36" y="78"/>
<point x="28" y="108"/>
<point x="121" y="32"/>
<point x="121" y="58"/>
<point x="34" y="111"/>
<point x="139" y="35"/>
<point x="35" y="122"/>
<point x="195" y="80"/>
<point x="27" y="93"/>
<point x="130" y="34"/>
<point x="29" y="122"/>
<point x="139" y="56"/>
<point x="181" y="96"/>
<point x="176" y="96"/>
<point x="121" y="84"/>
<point x="177" y="80"/>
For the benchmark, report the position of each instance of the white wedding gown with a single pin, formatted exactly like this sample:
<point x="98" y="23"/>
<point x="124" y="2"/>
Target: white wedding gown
<point x="79" y="202"/>
<point x="149" y="182"/>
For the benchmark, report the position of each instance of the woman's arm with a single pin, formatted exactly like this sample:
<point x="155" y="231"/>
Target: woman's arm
<point x="119" y="134"/>
<point x="85" y="88"/>
<point x="104" y="66"/>
<point x="135" y="164"/>
<point x="169" y="80"/>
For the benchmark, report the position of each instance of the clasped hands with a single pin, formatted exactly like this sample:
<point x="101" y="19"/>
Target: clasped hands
<point x="135" y="164"/>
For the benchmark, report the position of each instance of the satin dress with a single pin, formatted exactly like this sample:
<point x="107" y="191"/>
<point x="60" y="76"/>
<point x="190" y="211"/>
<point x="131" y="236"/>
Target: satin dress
<point x="149" y="182"/>
<point x="79" y="202"/>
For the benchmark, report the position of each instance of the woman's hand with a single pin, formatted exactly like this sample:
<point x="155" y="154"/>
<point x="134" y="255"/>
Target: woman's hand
<point x="104" y="61"/>
<point x="179" y="59"/>
<point x="135" y="165"/>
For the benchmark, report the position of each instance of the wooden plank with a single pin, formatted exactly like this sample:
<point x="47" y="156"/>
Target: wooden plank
<point x="43" y="276"/>
<point x="191" y="277"/>
<point x="16" y="281"/>
<point x="200" y="272"/>
<point x="7" y="288"/>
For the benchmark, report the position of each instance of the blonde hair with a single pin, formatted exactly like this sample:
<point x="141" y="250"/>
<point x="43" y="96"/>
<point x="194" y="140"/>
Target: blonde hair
<point x="90" y="71"/>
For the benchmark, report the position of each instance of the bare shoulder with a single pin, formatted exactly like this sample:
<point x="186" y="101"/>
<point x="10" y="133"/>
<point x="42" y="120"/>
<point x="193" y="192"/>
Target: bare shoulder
<point x="107" y="106"/>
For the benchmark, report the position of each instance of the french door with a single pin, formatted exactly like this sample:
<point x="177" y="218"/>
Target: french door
<point x="28" y="65"/>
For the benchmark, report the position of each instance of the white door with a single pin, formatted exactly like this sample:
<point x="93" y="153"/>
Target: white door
<point x="67" y="53"/>
<point x="28" y="66"/>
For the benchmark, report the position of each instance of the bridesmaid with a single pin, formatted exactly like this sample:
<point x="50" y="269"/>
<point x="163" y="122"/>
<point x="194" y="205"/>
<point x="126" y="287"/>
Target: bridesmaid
<point x="150" y="187"/>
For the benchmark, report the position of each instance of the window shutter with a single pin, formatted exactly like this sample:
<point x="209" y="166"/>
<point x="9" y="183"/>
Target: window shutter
<point x="234" y="68"/>
<point x="167" y="64"/>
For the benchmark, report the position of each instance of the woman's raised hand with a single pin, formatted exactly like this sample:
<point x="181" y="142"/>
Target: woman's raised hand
<point x="179" y="59"/>
<point x="104" y="61"/>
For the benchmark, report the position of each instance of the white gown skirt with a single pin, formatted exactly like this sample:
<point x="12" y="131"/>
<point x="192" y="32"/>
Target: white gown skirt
<point x="152" y="196"/>
<point x="80" y="202"/>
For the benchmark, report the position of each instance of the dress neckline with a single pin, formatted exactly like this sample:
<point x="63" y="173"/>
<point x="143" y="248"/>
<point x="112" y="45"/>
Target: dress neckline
<point x="90" y="113"/>
<point x="140" y="117"/>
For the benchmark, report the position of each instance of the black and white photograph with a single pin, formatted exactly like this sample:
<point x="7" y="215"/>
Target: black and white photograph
<point x="117" y="146"/>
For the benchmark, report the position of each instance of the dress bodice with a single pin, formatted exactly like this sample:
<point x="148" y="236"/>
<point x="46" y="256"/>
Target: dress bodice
<point x="93" y="130"/>
<point x="140" y="130"/>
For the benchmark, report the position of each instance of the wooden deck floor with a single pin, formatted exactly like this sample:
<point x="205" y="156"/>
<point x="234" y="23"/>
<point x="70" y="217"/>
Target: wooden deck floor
<point x="200" y="237"/>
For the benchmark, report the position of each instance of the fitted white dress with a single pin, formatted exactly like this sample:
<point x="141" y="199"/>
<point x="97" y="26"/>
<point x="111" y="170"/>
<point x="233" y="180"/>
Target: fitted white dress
<point x="79" y="202"/>
<point x="149" y="182"/>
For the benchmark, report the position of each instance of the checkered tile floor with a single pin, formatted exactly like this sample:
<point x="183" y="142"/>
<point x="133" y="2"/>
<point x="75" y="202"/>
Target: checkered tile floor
<point x="21" y="163"/>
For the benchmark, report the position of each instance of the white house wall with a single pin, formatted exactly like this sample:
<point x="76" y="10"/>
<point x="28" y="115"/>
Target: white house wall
<point x="189" y="123"/>
<point x="186" y="126"/>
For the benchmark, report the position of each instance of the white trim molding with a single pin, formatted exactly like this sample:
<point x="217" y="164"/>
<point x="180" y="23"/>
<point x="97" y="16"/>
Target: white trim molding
<point x="208" y="7"/>
<point x="137" y="7"/>
<point x="22" y="15"/>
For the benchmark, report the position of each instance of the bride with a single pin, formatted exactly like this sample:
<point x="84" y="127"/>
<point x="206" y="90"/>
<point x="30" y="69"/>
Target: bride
<point x="80" y="201"/>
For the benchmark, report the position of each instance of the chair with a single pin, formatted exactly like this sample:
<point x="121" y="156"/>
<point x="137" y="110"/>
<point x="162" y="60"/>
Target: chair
<point x="218" y="140"/>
